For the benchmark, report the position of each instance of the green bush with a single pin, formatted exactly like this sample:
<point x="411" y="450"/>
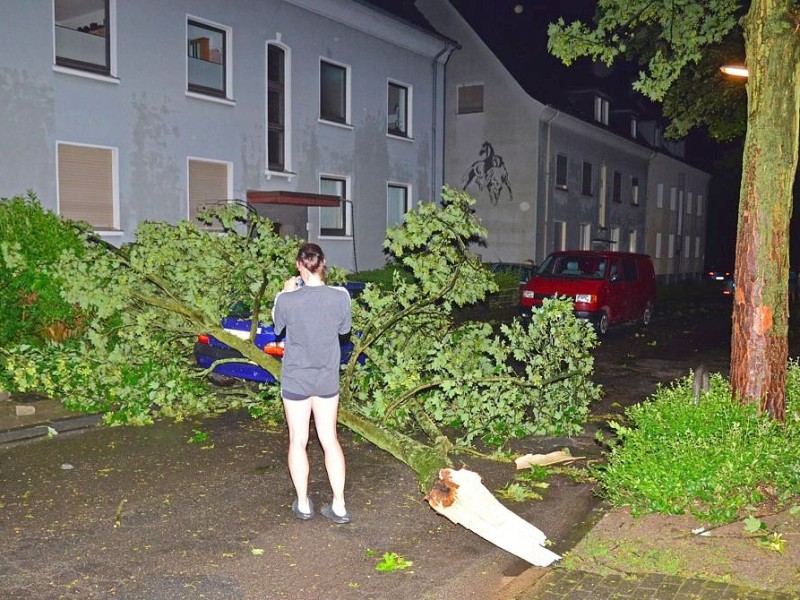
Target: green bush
<point x="713" y="459"/>
<point x="31" y="241"/>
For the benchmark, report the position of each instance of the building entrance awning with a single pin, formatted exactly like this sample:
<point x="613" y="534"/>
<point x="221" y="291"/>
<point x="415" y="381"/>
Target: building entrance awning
<point x="292" y="198"/>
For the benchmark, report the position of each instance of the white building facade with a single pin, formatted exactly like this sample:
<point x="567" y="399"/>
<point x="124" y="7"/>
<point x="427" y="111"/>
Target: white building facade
<point x="325" y="115"/>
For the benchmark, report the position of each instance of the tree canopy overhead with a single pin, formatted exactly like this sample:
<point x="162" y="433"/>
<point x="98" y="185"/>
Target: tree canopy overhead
<point x="672" y="36"/>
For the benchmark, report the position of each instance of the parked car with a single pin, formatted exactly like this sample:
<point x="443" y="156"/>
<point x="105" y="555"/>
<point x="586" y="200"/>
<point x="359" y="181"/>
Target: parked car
<point x="607" y="287"/>
<point x="522" y="271"/>
<point x="718" y="274"/>
<point x="208" y="349"/>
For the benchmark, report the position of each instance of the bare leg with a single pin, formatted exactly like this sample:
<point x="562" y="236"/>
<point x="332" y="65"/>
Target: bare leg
<point x="325" y="410"/>
<point x="298" y="414"/>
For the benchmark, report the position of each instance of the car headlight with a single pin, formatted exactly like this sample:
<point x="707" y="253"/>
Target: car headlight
<point x="528" y="294"/>
<point x="585" y="298"/>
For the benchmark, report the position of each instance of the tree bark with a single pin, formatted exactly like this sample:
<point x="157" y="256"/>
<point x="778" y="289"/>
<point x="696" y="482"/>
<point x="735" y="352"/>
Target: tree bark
<point x="759" y="344"/>
<point x="426" y="461"/>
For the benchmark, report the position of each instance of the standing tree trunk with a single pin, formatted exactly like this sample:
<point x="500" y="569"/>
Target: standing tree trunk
<point x="759" y="345"/>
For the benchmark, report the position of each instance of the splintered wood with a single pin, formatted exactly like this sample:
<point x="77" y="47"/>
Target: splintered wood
<point x="460" y="496"/>
<point x="553" y="458"/>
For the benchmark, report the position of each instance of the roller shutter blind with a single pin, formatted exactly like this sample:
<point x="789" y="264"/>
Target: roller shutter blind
<point x="86" y="184"/>
<point x="208" y="185"/>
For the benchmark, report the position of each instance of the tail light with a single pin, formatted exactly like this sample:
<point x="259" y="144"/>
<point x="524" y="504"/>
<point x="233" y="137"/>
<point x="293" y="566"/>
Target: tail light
<point x="273" y="349"/>
<point x="204" y="338"/>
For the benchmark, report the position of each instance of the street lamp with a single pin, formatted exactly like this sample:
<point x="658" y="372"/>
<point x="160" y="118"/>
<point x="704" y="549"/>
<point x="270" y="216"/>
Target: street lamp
<point x="735" y="70"/>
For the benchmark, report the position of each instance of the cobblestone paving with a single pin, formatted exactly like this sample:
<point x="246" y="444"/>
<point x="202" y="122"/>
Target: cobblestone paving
<point x="561" y="584"/>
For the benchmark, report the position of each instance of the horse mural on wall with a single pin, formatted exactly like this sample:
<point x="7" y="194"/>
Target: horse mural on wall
<point x="489" y="173"/>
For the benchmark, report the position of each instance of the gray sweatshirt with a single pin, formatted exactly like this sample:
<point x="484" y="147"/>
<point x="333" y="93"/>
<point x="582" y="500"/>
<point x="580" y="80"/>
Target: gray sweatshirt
<point x="314" y="317"/>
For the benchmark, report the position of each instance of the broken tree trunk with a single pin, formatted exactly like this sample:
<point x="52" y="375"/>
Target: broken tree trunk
<point x="458" y="495"/>
<point x="461" y="497"/>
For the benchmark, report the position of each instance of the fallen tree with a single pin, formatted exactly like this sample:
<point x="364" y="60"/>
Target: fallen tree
<point x="422" y="375"/>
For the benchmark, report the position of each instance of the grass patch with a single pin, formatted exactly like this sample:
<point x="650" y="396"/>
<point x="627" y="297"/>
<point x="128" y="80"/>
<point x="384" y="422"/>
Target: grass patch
<point x="716" y="459"/>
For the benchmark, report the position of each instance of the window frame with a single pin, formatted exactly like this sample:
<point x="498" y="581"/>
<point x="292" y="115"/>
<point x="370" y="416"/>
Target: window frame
<point x="585" y="236"/>
<point x="586" y="182"/>
<point x="85" y="68"/>
<point x="113" y="176"/>
<point x="633" y="240"/>
<point x="463" y="108"/>
<point x="406" y="201"/>
<point x="559" y="235"/>
<point x="562" y="166"/>
<point x="346" y="208"/>
<point x="616" y="187"/>
<point x="202" y="91"/>
<point x="404" y="132"/>
<point x="282" y="88"/>
<point x="601" y="108"/>
<point x="228" y="186"/>
<point x="634" y="190"/>
<point x="345" y="118"/>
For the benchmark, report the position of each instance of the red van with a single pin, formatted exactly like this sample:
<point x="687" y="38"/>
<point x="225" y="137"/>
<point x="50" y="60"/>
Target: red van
<point x="607" y="287"/>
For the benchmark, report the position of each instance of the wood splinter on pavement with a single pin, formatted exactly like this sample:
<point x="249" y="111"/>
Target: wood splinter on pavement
<point x="559" y="456"/>
<point x="460" y="496"/>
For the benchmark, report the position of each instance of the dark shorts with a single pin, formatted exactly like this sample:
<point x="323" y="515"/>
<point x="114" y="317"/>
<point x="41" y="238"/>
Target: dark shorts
<point x="287" y="395"/>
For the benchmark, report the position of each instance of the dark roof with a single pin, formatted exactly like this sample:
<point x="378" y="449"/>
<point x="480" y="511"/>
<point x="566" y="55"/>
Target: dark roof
<point x="404" y="10"/>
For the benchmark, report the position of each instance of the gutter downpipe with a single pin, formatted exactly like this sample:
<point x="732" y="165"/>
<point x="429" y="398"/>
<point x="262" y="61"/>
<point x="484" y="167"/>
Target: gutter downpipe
<point x="547" y="123"/>
<point x="436" y="172"/>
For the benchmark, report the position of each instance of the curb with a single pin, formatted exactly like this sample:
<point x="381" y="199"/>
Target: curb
<point x="30" y="432"/>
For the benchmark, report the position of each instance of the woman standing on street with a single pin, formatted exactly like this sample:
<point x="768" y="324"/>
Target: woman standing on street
<point x="314" y="315"/>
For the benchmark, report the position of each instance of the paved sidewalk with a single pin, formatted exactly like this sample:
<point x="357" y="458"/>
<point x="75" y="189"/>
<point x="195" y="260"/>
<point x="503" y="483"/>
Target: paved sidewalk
<point x="561" y="584"/>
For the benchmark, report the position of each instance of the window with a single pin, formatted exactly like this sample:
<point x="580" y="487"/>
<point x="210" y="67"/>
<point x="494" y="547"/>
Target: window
<point x="634" y="127"/>
<point x="615" y="238"/>
<point x="399" y="110"/>
<point x="601" y="201"/>
<point x="335" y="221"/>
<point x="276" y="108"/>
<point x="601" y="110"/>
<point x="470" y="99"/>
<point x="699" y="206"/>
<point x="586" y="179"/>
<point x="83" y="31"/>
<point x="671" y="246"/>
<point x="559" y="235"/>
<point x="334" y="92"/>
<point x="633" y="240"/>
<point x="635" y="191"/>
<point x="208" y="185"/>
<point x="87" y="189"/>
<point x="689" y="203"/>
<point x="561" y="171"/>
<point x="585" y="240"/>
<point x="687" y="246"/>
<point x="697" y="246"/>
<point x="658" y="245"/>
<point x="396" y="204"/>
<point x="207" y="58"/>
<point x="673" y="198"/>
<point x="660" y="196"/>
<point x="616" y="192"/>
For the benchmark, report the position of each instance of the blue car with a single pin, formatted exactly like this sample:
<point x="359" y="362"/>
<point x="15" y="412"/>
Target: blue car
<point x="208" y="349"/>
